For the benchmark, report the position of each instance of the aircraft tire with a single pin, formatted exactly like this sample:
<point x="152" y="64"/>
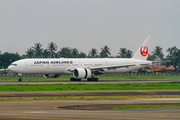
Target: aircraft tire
<point x="74" y="79"/>
<point x="92" y="79"/>
<point x="20" y="79"/>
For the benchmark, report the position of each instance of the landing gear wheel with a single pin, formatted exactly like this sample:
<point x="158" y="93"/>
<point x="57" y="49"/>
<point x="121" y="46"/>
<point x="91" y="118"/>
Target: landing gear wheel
<point x="92" y="79"/>
<point x="74" y="79"/>
<point x="20" y="79"/>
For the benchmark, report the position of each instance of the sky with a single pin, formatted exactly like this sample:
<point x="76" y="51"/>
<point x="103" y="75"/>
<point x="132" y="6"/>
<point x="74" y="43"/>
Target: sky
<point x="87" y="24"/>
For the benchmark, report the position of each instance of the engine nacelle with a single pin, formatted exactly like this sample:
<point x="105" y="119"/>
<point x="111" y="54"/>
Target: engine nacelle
<point x="51" y="75"/>
<point x="81" y="73"/>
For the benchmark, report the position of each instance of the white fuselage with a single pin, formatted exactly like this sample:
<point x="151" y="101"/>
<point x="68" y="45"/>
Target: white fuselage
<point x="61" y="65"/>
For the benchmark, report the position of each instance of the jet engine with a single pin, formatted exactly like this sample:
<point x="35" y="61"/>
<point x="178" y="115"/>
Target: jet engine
<point x="81" y="73"/>
<point x="51" y="75"/>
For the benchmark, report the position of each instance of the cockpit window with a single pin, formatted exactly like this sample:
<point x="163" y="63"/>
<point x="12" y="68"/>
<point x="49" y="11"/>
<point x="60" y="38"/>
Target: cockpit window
<point x="13" y="64"/>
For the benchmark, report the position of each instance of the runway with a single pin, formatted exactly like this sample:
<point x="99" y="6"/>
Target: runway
<point x="57" y="110"/>
<point x="88" y="109"/>
<point x="89" y="93"/>
<point x="88" y="82"/>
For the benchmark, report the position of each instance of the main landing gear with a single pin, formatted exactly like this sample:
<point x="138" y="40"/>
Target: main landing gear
<point x="74" y="79"/>
<point x="20" y="79"/>
<point x="89" y="79"/>
<point x="92" y="79"/>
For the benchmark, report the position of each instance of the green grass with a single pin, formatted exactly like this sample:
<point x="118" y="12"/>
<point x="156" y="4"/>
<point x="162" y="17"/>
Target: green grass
<point x="80" y="87"/>
<point x="101" y="77"/>
<point x="145" y="106"/>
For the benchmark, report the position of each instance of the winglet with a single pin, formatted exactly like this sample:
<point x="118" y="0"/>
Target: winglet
<point x="143" y="50"/>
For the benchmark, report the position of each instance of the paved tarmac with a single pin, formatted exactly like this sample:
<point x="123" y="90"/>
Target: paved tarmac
<point x="88" y="82"/>
<point x="89" y="110"/>
<point x="89" y="93"/>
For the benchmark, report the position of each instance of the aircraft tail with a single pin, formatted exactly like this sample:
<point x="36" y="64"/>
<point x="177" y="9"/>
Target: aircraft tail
<point x="143" y="50"/>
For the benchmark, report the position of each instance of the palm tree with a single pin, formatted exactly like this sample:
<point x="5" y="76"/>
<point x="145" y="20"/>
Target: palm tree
<point x="129" y="54"/>
<point x="46" y="53"/>
<point x="174" y="57"/>
<point x="105" y="52"/>
<point x="93" y="53"/>
<point x="82" y="55"/>
<point x="122" y="53"/>
<point x="52" y="47"/>
<point x="65" y="52"/>
<point x="75" y="53"/>
<point x="30" y="53"/>
<point x="38" y="49"/>
<point x="157" y="52"/>
<point x="150" y="57"/>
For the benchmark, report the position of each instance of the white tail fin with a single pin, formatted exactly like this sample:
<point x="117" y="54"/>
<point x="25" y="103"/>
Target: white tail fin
<point x="143" y="50"/>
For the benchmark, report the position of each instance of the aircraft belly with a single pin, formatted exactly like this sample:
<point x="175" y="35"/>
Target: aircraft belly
<point x="117" y="71"/>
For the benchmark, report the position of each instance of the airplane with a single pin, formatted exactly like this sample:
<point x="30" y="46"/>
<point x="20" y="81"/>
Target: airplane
<point x="83" y="68"/>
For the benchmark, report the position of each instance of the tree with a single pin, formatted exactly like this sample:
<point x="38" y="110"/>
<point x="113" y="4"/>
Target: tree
<point x="57" y="55"/>
<point x="38" y="49"/>
<point x="174" y="57"/>
<point x="46" y="53"/>
<point x="30" y="53"/>
<point x="75" y="53"/>
<point x="105" y="52"/>
<point x="93" y="53"/>
<point x="8" y="58"/>
<point x="52" y="47"/>
<point x="124" y="53"/>
<point x="129" y="54"/>
<point x="150" y="57"/>
<point x="82" y="55"/>
<point x="0" y="60"/>
<point x="65" y="52"/>
<point x="157" y="52"/>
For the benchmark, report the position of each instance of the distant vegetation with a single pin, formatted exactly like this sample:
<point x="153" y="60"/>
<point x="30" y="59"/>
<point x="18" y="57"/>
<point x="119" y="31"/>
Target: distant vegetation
<point x="52" y="51"/>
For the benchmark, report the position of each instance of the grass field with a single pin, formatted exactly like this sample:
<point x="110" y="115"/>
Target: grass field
<point x="101" y="77"/>
<point x="145" y="106"/>
<point x="80" y="87"/>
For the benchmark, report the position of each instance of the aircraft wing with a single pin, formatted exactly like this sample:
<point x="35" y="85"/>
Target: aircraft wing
<point x="111" y="67"/>
<point x="161" y="61"/>
<point x="106" y="67"/>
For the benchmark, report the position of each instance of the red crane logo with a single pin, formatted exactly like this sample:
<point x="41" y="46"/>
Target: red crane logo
<point x="144" y="50"/>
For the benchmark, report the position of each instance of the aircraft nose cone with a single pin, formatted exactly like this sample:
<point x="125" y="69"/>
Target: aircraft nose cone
<point x="9" y="68"/>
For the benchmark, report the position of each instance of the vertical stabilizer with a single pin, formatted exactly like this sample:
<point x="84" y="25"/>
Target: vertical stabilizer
<point x="143" y="50"/>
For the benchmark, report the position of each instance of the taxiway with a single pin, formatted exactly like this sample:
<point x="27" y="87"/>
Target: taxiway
<point x="88" y="110"/>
